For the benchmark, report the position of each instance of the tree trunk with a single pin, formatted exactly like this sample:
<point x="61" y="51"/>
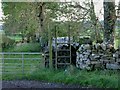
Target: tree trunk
<point x="94" y="22"/>
<point x="41" y="16"/>
<point x="109" y="22"/>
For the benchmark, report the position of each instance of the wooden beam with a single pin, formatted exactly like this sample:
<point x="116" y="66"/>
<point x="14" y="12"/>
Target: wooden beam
<point x="50" y="47"/>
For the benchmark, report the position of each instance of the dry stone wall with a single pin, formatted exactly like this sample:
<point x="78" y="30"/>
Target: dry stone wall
<point x="98" y="55"/>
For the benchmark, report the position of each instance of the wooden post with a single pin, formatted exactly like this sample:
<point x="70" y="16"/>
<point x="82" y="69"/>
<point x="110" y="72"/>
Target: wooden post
<point x="69" y="32"/>
<point x="50" y="48"/>
<point x="56" y="48"/>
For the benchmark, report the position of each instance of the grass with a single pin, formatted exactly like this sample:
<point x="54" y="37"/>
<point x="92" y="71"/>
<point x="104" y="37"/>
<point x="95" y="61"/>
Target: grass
<point x="36" y="71"/>
<point x="26" y="47"/>
<point x="13" y="68"/>
<point x="101" y="79"/>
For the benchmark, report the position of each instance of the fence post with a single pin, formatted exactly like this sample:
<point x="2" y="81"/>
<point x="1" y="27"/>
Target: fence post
<point x="22" y="64"/>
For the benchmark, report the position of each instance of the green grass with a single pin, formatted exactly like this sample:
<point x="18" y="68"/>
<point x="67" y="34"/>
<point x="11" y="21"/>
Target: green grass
<point x="13" y="68"/>
<point x="106" y="79"/>
<point x="27" y="47"/>
<point x="36" y="71"/>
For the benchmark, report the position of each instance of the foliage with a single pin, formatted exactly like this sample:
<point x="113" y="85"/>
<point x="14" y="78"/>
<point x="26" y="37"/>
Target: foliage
<point x="5" y="41"/>
<point x="20" y="18"/>
<point x="26" y="18"/>
<point x="16" y="38"/>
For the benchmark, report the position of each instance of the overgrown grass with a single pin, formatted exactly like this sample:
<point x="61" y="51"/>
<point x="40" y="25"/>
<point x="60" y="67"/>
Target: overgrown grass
<point x="101" y="79"/>
<point x="26" y="47"/>
<point x="72" y="75"/>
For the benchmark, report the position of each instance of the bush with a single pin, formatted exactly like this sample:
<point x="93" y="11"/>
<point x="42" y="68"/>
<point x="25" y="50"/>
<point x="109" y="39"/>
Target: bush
<point x="6" y="42"/>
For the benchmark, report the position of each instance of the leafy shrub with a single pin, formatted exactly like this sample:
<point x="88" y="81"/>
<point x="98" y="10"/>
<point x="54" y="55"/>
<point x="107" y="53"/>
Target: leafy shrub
<point x="6" y="42"/>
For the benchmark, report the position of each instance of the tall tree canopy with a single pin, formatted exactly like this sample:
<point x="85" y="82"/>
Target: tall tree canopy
<point x="29" y="18"/>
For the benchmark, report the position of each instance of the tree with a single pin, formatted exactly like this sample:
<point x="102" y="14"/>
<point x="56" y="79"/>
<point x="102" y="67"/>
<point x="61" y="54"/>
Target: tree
<point x="94" y="22"/>
<point x="109" y="21"/>
<point x="29" y="18"/>
<point x="20" y="18"/>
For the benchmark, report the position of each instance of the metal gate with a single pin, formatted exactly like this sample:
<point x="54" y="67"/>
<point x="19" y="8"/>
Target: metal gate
<point x="19" y="63"/>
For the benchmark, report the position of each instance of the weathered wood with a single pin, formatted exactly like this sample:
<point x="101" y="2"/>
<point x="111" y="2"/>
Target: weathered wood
<point x="63" y="63"/>
<point x="60" y="54"/>
<point x="50" y="47"/>
<point x="56" y="48"/>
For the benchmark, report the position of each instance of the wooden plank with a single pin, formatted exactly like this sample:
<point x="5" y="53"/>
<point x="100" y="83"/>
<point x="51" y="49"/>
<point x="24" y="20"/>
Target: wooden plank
<point x="63" y="50"/>
<point x="63" y="63"/>
<point x="50" y="46"/>
<point x="56" y="48"/>
<point x="63" y="56"/>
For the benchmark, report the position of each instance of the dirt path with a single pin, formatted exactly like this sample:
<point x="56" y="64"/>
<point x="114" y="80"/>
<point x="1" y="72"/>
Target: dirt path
<point x="35" y="84"/>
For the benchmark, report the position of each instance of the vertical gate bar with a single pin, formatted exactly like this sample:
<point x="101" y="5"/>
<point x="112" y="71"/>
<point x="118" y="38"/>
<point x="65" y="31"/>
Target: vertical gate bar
<point x="55" y="47"/>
